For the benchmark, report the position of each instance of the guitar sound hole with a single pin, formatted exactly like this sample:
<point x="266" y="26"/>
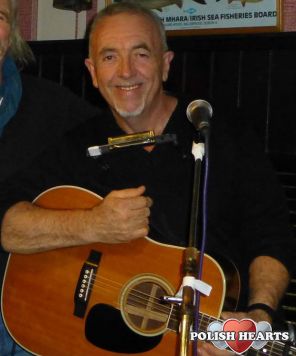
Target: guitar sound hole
<point x="142" y="307"/>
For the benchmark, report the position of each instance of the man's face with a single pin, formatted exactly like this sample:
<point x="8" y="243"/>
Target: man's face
<point x="128" y="63"/>
<point x="4" y="28"/>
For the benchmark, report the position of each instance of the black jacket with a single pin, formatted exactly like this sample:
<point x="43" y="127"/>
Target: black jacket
<point x="46" y="111"/>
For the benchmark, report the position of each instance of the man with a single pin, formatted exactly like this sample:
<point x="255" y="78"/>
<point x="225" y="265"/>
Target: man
<point x="26" y="128"/>
<point x="128" y="63"/>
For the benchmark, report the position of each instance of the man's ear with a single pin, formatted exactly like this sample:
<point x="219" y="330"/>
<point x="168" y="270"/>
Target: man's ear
<point x="167" y="59"/>
<point x="91" y="68"/>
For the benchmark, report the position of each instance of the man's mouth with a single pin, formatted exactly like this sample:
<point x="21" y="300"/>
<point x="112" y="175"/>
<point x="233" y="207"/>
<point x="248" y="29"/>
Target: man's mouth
<point x="128" y="87"/>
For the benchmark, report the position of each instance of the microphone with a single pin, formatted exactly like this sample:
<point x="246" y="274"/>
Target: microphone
<point x="199" y="113"/>
<point x="124" y="141"/>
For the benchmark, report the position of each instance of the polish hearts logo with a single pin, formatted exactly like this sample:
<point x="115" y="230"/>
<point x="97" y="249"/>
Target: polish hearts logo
<point x="240" y="335"/>
<point x="241" y="329"/>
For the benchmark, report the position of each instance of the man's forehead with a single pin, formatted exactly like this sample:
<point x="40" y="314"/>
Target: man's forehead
<point x="135" y="29"/>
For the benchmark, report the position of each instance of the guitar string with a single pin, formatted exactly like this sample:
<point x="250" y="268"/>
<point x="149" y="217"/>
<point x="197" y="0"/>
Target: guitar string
<point x="163" y="309"/>
<point x="139" y="294"/>
<point x="158" y="305"/>
<point x="106" y="282"/>
<point x="168" y="309"/>
<point x="204" y="324"/>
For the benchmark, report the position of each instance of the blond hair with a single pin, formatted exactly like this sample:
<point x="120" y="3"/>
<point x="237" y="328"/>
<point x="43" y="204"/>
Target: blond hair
<point x="19" y="49"/>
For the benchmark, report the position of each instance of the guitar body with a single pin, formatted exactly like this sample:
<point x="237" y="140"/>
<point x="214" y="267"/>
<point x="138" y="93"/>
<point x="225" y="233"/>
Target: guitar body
<point x="40" y="291"/>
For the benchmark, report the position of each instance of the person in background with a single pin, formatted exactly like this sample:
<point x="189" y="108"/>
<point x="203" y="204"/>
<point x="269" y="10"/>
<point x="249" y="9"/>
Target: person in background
<point x="33" y="114"/>
<point x="247" y="217"/>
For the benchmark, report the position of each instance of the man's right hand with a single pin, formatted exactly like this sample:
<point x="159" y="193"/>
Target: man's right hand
<point x="121" y="217"/>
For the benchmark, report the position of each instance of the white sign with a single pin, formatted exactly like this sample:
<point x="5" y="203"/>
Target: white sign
<point x="218" y="14"/>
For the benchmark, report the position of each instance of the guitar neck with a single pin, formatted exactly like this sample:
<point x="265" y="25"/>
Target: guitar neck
<point x="273" y="348"/>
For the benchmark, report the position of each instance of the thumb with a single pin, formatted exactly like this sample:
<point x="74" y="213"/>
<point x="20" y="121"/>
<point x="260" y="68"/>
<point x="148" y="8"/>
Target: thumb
<point x="128" y="193"/>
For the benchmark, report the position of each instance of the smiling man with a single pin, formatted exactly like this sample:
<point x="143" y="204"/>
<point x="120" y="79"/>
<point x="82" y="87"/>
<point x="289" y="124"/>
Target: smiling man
<point x="247" y="216"/>
<point x="129" y="67"/>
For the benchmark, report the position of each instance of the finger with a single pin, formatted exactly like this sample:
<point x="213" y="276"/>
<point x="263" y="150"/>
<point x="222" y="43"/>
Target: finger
<point x="135" y="234"/>
<point x="141" y="232"/>
<point x="149" y="202"/>
<point x="135" y="223"/>
<point x="207" y="349"/>
<point x="128" y="193"/>
<point x="140" y="222"/>
<point x="202" y="349"/>
<point x="139" y="203"/>
<point x="138" y="213"/>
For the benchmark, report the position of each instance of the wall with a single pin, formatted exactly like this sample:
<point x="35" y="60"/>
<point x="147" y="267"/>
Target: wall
<point x="40" y="21"/>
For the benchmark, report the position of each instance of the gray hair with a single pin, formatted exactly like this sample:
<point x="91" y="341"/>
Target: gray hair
<point x="19" y="49"/>
<point x="129" y="8"/>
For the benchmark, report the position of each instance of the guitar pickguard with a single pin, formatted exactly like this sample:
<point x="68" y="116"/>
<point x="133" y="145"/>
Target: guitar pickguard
<point x="106" y="329"/>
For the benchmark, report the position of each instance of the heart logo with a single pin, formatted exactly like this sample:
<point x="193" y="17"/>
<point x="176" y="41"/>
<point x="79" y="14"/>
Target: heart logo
<point x="240" y="329"/>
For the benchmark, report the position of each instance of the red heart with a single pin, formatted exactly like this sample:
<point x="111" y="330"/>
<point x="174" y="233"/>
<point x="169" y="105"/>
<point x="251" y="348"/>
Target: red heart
<point x="237" y="326"/>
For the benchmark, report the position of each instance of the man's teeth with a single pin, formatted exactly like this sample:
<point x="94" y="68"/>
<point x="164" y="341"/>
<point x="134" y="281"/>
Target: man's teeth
<point x="130" y="87"/>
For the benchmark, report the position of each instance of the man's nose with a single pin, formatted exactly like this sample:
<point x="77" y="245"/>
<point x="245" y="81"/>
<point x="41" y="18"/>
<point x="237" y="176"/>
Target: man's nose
<point x="126" y="67"/>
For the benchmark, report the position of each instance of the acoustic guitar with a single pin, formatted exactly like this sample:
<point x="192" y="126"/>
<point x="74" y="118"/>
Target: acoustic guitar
<point x="103" y="299"/>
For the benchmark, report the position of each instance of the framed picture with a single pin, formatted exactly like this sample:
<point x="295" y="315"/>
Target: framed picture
<point x="193" y="17"/>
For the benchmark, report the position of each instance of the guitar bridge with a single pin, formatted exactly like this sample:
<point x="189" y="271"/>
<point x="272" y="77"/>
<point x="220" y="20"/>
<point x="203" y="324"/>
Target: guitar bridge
<point x="85" y="282"/>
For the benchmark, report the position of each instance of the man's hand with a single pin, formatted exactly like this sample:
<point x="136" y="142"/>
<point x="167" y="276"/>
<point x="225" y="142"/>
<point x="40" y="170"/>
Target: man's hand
<point x="208" y="349"/>
<point x="121" y="217"/>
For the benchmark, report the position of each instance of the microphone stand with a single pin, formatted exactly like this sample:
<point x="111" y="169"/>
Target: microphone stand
<point x="190" y="297"/>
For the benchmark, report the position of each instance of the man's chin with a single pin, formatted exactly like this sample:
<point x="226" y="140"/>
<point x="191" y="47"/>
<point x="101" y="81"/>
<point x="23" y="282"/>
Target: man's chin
<point x="128" y="114"/>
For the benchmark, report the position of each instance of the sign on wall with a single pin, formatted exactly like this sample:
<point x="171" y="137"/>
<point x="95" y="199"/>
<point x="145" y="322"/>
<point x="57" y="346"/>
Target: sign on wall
<point x="187" y="16"/>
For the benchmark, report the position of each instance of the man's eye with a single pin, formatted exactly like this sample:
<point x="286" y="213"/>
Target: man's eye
<point x="143" y="54"/>
<point x="107" y="58"/>
<point x="3" y="18"/>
